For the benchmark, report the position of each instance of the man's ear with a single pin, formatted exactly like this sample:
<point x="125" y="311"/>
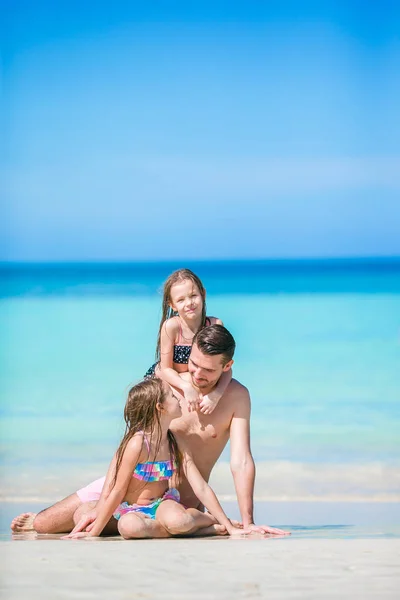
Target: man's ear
<point x="228" y="366"/>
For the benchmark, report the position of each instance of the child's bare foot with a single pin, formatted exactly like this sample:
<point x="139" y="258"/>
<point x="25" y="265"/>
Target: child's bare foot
<point x="24" y="522"/>
<point x="216" y="529"/>
<point x="219" y="529"/>
<point x="238" y="524"/>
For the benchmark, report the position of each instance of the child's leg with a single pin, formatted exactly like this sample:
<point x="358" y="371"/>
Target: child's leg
<point x="134" y="525"/>
<point x="179" y="520"/>
<point x="213" y="527"/>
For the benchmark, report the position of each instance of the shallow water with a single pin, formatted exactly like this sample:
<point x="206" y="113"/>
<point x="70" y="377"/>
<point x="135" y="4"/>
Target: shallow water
<point x="328" y="520"/>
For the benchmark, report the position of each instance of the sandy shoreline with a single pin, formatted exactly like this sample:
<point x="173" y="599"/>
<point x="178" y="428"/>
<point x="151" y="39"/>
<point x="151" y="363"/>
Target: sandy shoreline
<point x="206" y="569"/>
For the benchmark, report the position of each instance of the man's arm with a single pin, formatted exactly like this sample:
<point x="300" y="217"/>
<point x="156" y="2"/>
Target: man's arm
<point x="205" y="494"/>
<point x="242" y="463"/>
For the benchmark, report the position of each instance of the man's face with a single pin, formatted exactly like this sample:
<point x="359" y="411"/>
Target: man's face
<point x="206" y="370"/>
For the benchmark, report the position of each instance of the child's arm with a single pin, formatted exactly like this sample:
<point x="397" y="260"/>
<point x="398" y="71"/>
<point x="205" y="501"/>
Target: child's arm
<point x="169" y="332"/>
<point x="206" y="495"/>
<point x="87" y="521"/>
<point x="210" y="401"/>
<point x="113" y="497"/>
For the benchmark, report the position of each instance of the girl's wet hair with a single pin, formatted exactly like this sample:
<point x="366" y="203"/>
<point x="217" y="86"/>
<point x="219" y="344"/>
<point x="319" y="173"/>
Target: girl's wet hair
<point x="141" y="414"/>
<point x="178" y="277"/>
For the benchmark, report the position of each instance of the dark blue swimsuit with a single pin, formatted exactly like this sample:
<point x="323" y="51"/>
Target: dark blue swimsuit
<point x="181" y="354"/>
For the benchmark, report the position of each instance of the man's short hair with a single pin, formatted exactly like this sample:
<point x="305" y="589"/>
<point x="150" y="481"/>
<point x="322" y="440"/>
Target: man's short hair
<point x="214" y="340"/>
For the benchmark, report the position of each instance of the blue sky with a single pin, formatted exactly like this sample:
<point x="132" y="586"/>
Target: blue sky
<point x="159" y="130"/>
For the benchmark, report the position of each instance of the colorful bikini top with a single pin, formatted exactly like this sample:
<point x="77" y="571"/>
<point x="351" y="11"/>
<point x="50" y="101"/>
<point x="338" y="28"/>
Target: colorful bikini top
<point x="159" y="470"/>
<point x="182" y="351"/>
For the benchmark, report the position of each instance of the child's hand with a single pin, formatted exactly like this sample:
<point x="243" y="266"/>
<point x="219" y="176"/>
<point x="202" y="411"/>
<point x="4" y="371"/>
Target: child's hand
<point x="86" y="522"/>
<point x="76" y="536"/>
<point x="209" y="402"/>
<point x="191" y="397"/>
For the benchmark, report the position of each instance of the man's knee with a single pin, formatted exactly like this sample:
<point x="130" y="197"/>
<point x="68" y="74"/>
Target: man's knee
<point x="41" y="523"/>
<point x="82" y="510"/>
<point x="57" y="518"/>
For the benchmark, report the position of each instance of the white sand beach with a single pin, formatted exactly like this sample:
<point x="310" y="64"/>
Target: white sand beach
<point x="201" y="569"/>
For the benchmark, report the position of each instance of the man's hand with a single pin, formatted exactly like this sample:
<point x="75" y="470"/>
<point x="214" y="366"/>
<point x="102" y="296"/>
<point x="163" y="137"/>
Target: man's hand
<point x="264" y="529"/>
<point x="239" y="530"/>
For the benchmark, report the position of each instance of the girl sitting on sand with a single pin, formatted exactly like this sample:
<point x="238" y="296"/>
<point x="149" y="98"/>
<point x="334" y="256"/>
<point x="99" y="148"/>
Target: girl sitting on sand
<point x="183" y="314"/>
<point x="138" y="490"/>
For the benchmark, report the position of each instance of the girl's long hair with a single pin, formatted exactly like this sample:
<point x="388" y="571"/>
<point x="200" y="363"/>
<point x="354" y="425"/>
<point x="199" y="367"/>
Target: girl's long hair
<point x="178" y="277"/>
<point x="141" y="414"/>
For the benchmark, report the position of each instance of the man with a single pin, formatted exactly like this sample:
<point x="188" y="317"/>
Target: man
<point x="205" y="436"/>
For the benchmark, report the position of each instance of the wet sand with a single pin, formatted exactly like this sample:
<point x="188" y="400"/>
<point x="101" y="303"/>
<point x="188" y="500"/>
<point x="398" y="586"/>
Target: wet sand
<point x="200" y="569"/>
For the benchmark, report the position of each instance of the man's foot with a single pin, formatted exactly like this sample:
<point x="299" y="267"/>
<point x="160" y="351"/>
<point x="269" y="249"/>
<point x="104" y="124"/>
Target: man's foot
<point x="24" y="522"/>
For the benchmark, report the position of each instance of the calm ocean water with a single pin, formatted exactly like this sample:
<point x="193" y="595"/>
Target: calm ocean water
<point x="318" y="345"/>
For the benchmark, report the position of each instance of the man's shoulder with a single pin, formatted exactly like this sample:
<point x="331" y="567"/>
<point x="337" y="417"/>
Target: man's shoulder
<point x="236" y="401"/>
<point x="236" y="386"/>
<point x="237" y="390"/>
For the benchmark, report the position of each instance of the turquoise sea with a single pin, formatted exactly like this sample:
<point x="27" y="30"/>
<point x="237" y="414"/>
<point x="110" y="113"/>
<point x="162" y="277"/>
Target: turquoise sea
<point x="318" y="346"/>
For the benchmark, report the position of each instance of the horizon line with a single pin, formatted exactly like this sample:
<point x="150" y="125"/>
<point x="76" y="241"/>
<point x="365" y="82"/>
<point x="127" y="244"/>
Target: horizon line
<point x="153" y="261"/>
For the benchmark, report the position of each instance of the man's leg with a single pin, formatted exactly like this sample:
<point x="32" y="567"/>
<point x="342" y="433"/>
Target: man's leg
<point x="58" y="518"/>
<point x="23" y="523"/>
<point x="178" y="520"/>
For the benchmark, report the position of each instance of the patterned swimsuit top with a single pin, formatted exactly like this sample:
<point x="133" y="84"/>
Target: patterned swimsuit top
<point x="182" y="351"/>
<point x="150" y="471"/>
